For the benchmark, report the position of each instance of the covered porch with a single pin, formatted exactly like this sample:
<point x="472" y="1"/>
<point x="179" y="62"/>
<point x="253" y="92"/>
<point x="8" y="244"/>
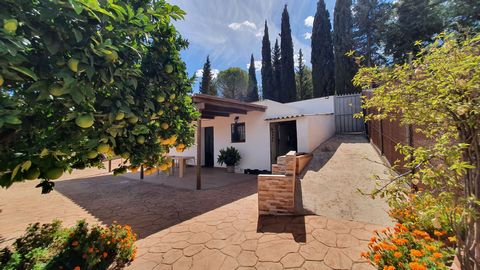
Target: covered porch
<point x="209" y="108"/>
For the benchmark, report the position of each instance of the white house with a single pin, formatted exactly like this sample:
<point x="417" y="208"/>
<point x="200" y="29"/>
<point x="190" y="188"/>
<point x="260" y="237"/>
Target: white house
<point x="261" y="130"/>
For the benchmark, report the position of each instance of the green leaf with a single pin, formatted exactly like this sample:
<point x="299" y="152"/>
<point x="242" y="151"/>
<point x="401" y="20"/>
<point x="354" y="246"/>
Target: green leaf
<point x="26" y="165"/>
<point x="15" y="171"/>
<point x="12" y="120"/>
<point x="44" y="152"/>
<point x="77" y="7"/>
<point x="78" y="35"/>
<point x="25" y="71"/>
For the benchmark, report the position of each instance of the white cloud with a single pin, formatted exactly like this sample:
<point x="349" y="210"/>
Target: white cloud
<point x="307" y="35"/>
<point x="199" y="73"/>
<point x="243" y="25"/>
<point x="258" y="65"/>
<point x="309" y="21"/>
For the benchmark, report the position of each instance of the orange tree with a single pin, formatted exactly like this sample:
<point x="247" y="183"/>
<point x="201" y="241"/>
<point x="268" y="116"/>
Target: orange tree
<point x="439" y="93"/>
<point x="81" y="80"/>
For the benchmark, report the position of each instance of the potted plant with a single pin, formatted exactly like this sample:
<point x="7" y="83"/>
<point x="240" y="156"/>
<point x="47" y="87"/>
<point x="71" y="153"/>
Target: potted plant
<point x="230" y="156"/>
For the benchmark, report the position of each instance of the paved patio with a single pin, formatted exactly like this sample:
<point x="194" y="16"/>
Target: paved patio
<point x="211" y="178"/>
<point x="178" y="228"/>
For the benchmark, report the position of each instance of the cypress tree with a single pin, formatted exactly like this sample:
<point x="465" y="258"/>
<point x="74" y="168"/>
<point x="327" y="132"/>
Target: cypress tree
<point x="252" y="88"/>
<point x="267" y="69"/>
<point x="206" y="85"/>
<point x="345" y="67"/>
<point x="288" y="89"/>
<point x="277" y="72"/>
<point x="323" y="62"/>
<point x="303" y="80"/>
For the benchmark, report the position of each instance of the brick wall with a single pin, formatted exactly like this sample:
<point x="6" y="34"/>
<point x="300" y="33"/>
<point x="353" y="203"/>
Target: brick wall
<point x="276" y="191"/>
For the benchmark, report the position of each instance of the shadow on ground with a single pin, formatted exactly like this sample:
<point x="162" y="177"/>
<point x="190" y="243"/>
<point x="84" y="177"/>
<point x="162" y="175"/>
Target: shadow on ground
<point x="294" y="225"/>
<point x="147" y="207"/>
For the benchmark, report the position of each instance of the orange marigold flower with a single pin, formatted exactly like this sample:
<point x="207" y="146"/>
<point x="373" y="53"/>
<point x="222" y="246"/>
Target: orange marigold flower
<point x="77" y="268"/>
<point x="400" y="241"/>
<point x="437" y="255"/>
<point x="397" y="254"/>
<point x="377" y="257"/>
<point x="90" y="250"/>
<point x="430" y="248"/>
<point x="373" y="239"/>
<point x="364" y="254"/>
<point x="74" y="243"/>
<point x="452" y="239"/>
<point x="439" y="234"/>
<point x="105" y="254"/>
<point x="417" y="266"/>
<point x="415" y="253"/>
<point x="393" y="247"/>
<point x="419" y="233"/>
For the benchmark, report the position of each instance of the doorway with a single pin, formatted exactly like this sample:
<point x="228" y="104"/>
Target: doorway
<point x="283" y="138"/>
<point x="209" y="157"/>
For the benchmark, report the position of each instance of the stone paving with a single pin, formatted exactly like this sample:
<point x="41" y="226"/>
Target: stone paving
<point x="182" y="229"/>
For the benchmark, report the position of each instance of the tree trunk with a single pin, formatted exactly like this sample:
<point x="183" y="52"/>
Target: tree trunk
<point x="469" y="246"/>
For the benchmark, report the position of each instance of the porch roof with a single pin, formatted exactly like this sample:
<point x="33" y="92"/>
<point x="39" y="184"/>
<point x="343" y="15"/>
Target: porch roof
<point x="212" y="106"/>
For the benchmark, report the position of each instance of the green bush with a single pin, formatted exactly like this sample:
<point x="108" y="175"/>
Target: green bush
<point x="230" y="156"/>
<point x="51" y="246"/>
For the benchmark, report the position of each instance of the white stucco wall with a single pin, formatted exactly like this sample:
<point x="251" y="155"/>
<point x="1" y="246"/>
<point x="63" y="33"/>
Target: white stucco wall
<point x="276" y="109"/>
<point x="320" y="128"/>
<point x="314" y="105"/>
<point x="255" y="151"/>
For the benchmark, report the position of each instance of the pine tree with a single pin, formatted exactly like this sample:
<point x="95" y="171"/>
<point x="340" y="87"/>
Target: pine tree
<point x="206" y="85"/>
<point x="345" y="67"/>
<point x="277" y="72"/>
<point x="232" y="83"/>
<point x="252" y="88"/>
<point x="370" y="25"/>
<point x="303" y="82"/>
<point x="267" y="70"/>
<point x="415" y="20"/>
<point x="288" y="91"/>
<point x="323" y="62"/>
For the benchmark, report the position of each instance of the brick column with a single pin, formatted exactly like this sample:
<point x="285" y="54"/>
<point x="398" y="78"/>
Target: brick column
<point x="276" y="192"/>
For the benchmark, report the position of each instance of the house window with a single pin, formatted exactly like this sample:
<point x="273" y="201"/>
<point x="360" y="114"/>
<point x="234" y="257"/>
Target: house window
<point x="238" y="132"/>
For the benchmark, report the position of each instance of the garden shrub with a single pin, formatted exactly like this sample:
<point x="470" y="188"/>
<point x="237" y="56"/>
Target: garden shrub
<point x="50" y="246"/>
<point x="404" y="247"/>
<point x="437" y="95"/>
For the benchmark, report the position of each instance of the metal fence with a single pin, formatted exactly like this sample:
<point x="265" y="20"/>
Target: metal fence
<point x="345" y="107"/>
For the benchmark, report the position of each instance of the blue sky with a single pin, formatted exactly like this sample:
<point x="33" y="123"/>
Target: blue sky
<point x="231" y="30"/>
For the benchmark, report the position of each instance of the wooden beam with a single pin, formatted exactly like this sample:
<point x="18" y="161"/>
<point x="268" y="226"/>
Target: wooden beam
<point x="210" y="113"/>
<point x="199" y="154"/>
<point x="226" y="102"/>
<point x="215" y="108"/>
<point x="207" y="116"/>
